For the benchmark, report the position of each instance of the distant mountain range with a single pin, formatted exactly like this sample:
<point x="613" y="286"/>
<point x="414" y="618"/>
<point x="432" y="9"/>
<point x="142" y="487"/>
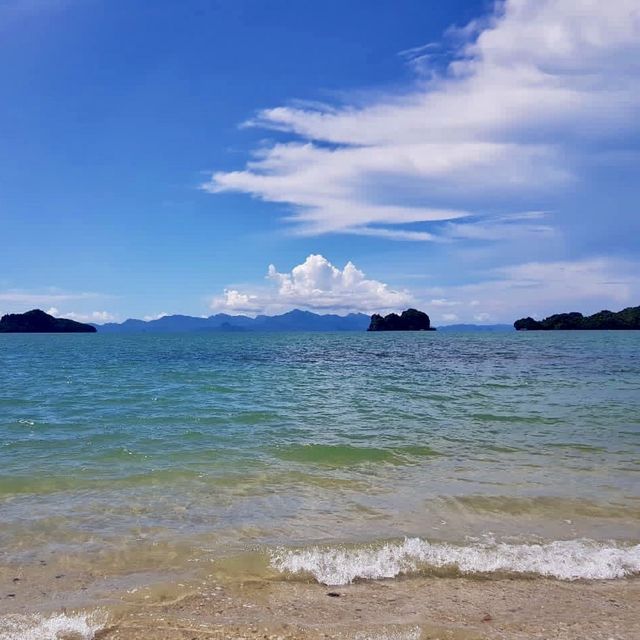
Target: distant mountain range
<point x="295" y="320"/>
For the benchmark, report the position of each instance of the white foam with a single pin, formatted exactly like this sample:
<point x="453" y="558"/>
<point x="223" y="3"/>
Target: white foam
<point x="566" y="560"/>
<point x="81" y="626"/>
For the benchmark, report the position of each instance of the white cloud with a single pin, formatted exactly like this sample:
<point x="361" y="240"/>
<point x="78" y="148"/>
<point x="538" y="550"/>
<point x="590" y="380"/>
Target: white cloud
<point x="539" y="289"/>
<point x="233" y="300"/>
<point x="499" y="295"/>
<point x="501" y="228"/>
<point x="93" y="316"/>
<point x="44" y="298"/>
<point x="316" y="285"/>
<point x="157" y="316"/>
<point x="443" y="302"/>
<point x="52" y="299"/>
<point x="532" y="89"/>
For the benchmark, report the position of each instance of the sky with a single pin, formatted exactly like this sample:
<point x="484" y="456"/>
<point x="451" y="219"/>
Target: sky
<point x="477" y="160"/>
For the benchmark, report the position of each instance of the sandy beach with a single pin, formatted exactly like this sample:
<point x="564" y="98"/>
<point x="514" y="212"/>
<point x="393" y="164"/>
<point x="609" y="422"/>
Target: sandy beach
<point x="405" y="609"/>
<point x="461" y="609"/>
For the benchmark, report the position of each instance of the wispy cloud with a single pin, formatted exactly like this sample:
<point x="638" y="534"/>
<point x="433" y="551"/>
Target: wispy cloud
<point x="43" y="298"/>
<point x="531" y="90"/>
<point x="539" y="289"/>
<point x="316" y="285"/>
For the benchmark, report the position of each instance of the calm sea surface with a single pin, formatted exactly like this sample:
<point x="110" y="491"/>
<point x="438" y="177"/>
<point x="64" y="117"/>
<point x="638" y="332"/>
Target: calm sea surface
<point x="332" y="456"/>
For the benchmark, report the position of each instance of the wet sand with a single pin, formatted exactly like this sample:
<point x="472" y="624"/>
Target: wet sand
<point x="213" y="603"/>
<point x="409" y="609"/>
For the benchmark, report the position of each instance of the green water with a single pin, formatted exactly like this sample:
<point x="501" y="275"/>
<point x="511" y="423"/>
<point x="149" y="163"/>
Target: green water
<point x="112" y="447"/>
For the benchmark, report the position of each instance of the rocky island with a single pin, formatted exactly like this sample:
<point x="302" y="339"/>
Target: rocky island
<point x="409" y="320"/>
<point x="37" y="321"/>
<point x="626" y="319"/>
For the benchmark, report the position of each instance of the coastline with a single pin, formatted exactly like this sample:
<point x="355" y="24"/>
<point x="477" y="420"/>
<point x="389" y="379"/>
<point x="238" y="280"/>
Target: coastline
<point x="415" y="608"/>
<point x="400" y="610"/>
<point x="242" y="597"/>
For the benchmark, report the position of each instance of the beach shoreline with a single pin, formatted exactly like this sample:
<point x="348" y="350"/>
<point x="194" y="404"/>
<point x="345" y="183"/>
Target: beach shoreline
<point x="414" y="608"/>
<point x="418" y="608"/>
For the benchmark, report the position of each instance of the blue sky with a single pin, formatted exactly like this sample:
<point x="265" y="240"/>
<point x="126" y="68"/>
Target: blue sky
<point x="480" y="161"/>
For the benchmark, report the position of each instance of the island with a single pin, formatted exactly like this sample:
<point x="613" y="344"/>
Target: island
<point x="37" y="321"/>
<point x="627" y="319"/>
<point x="409" y="320"/>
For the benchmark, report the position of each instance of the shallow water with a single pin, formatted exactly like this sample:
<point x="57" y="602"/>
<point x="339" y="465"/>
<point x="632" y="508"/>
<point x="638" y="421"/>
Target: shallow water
<point x="141" y="457"/>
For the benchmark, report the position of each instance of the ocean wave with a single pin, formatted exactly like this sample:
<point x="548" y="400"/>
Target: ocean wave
<point x="565" y="560"/>
<point x="80" y="626"/>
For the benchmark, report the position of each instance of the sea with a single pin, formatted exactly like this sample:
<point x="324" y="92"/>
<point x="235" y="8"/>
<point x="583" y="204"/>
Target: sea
<point x="138" y="463"/>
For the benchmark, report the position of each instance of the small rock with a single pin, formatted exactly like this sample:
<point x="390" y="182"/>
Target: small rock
<point x="487" y="618"/>
<point x="333" y="594"/>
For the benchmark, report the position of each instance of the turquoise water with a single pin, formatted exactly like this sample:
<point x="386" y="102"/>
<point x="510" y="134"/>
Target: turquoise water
<point x="133" y="452"/>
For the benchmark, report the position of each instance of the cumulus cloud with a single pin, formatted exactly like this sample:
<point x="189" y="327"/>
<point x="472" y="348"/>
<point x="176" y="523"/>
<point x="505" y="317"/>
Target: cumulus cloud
<point x="499" y="295"/>
<point x="316" y="285"/>
<point x="530" y="91"/>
